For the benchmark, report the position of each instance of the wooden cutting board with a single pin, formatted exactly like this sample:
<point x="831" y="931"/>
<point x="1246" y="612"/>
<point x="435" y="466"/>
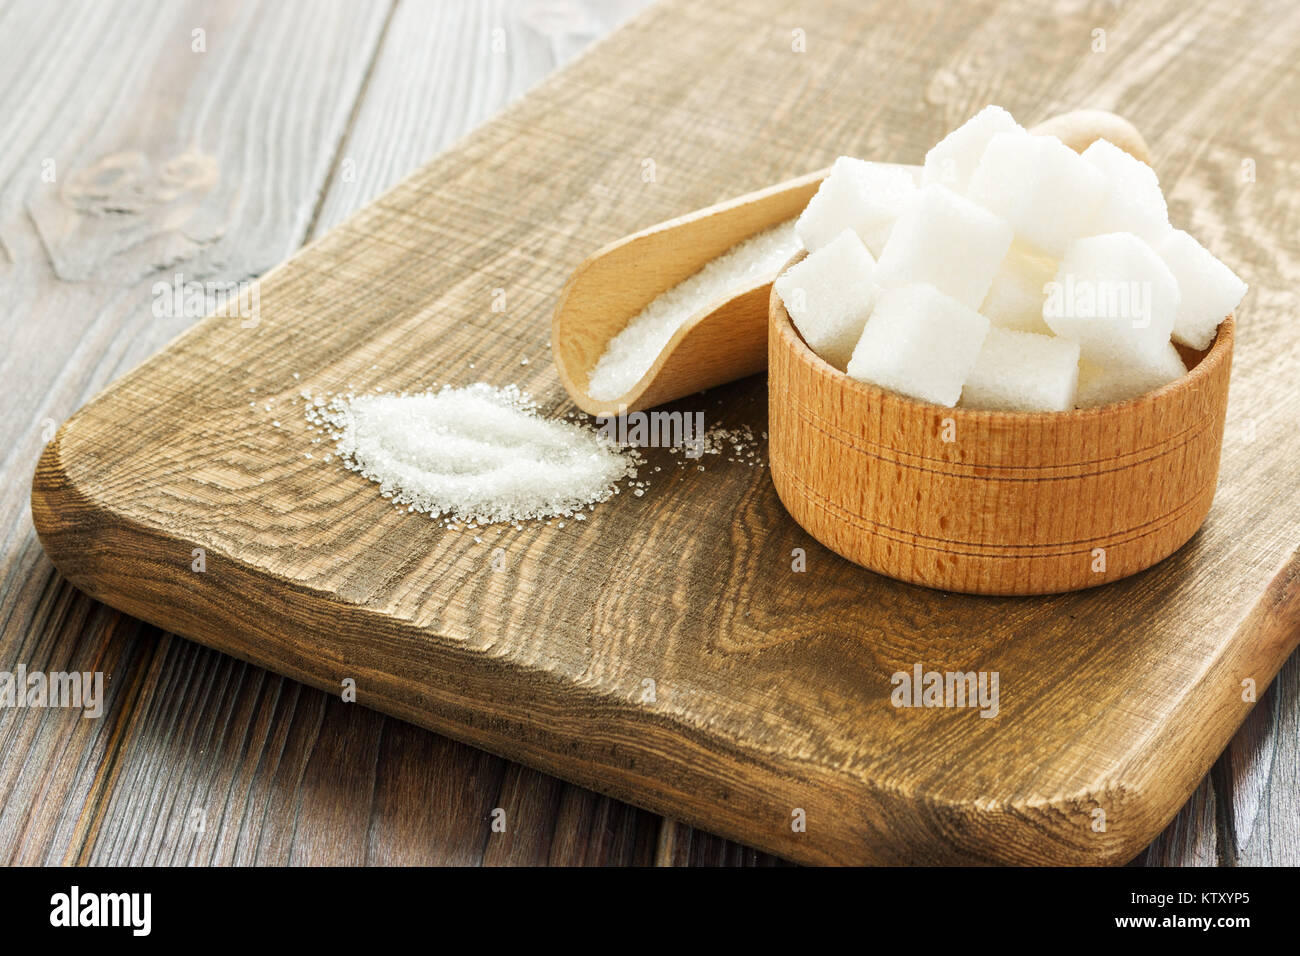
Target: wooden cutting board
<point x="668" y="650"/>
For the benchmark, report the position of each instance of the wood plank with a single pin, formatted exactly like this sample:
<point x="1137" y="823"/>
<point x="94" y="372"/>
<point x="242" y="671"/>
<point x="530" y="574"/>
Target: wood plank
<point x="92" y="639"/>
<point x="1263" y="760"/>
<point x="294" y="777"/>
<point x="76" y="281"/>
<point x="405" y="605"/>
<point x="442" y="72"/>
<point x="250" y="757"/>
<point x="1191" y="839"/>
<point x="445" y="68"/>
<point x="404" y="112"/>
<point x="682" y="845"/>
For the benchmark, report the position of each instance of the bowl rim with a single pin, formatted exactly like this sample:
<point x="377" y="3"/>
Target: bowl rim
<point x="779" y="321"/>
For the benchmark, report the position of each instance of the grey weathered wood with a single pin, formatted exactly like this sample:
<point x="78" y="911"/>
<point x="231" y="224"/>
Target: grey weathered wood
<point x="1264" y="764"/>
<point x="444" y="68"/>
<point x="1191" y="839"/>
<point x="80" y="83"/>
<point x="78" y="318"/>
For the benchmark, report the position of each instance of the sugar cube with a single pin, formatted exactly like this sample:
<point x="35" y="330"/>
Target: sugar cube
<point x="1115" y="297"/>
<point x="947" y="241"/>
<point x="1040" y="186"/>
<point x="859" y="195"/>
<point x="1015" y="299"/>
<point x="919" y="342"/>
<point x="1023" y="372"/>
<point x="829" y="295"/>
<point x="1132" y="201"/>
<point x="1118" y="382"/>
<point x="952" y="160"/>
<point x="1210" y="290"/>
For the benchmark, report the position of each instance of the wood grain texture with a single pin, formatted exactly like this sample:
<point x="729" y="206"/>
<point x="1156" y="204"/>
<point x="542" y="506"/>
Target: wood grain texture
<point x="52" y="769"/>
<point x="1263" y="761"/>
<point x="759" y="676"/>
<point x="133" y="785"/>
<point x="76" y="291"/>
<point x="993" y="502"/>
<point x="444" y="68"/>
<point x="1192" y="838"/>
<point x="301" y="778"/>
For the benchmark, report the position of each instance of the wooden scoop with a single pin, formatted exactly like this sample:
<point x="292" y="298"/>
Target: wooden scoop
<point x="727" y="339"/>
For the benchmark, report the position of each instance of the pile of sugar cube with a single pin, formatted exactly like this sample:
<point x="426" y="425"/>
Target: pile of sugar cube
<point x="1008" y="273"/>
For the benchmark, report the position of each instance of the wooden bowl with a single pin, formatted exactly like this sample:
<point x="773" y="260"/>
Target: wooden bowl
<point x="993" y="502"/>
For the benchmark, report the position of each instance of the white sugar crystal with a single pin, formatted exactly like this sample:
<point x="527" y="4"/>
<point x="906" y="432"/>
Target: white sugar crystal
<point x="859" y="195"/>
<point x="919" y="342"/>
<point x="946" y="241"/>
<point x="476" y="454"/>
<point x="630" y="354"/>
<point x="1040" y="186"/>
<point x="1132" y="201"/>
<point x="1115" y="297"/>
<point x="1015" y="299"/>
<point x="954" y="158"/>
<point x="1210" y="290"/>
<point x="829" y="295"/>
<point x="1023" y="372"/>
<point x="1118" y="382"/>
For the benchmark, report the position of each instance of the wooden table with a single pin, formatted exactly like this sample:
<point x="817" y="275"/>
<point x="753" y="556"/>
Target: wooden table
<point x="200" y="758"/>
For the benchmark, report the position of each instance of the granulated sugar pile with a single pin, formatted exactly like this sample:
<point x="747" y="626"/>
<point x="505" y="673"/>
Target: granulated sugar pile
<point x="631" y="353"/>
<point x="476" y="454"/>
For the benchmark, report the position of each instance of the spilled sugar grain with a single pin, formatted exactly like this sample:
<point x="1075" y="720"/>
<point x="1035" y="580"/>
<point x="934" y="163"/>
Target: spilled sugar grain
<point x="630" y="354"/>
<point x="357" y="422"/>
<point x="477" y="454"/>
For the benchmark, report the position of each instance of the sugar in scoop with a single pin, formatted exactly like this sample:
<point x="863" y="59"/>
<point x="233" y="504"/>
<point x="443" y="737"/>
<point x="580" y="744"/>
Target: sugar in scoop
<point x="632" y="352"/>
